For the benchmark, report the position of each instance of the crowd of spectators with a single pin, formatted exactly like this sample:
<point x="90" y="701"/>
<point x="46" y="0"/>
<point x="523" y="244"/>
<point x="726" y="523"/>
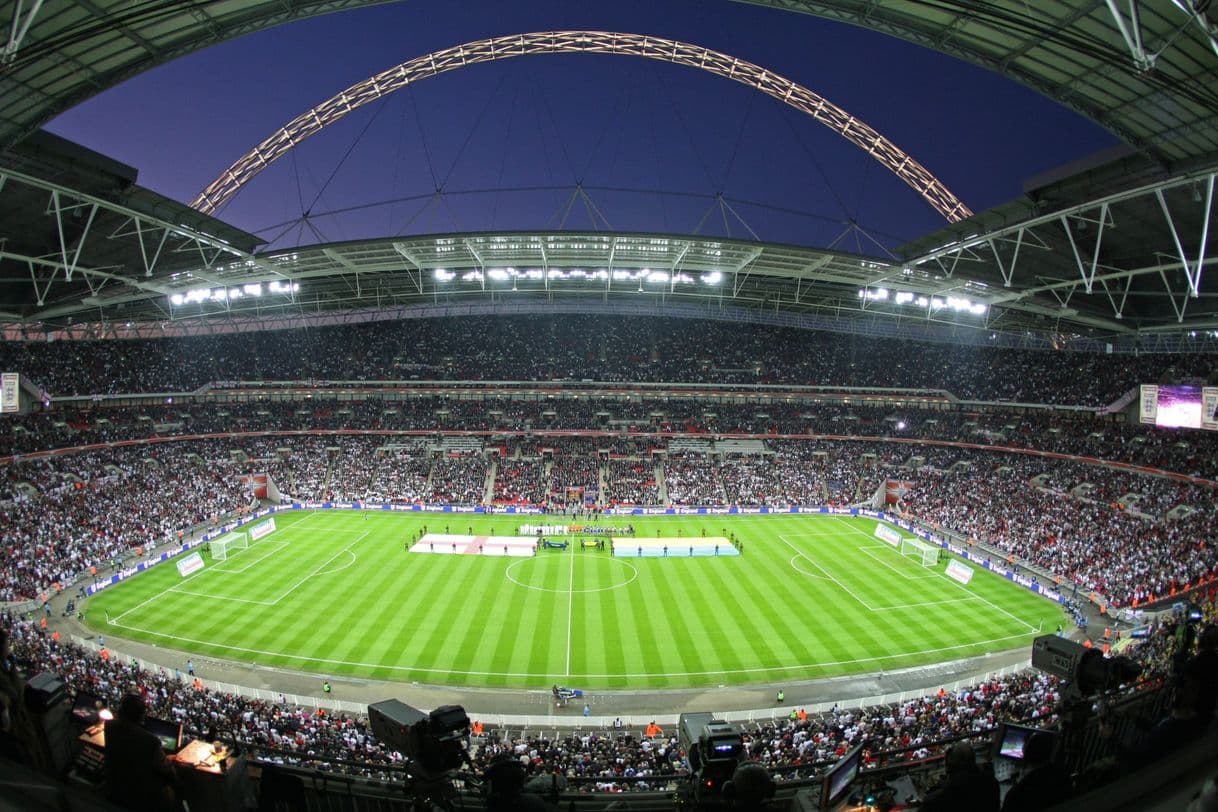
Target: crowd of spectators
<point x="631" y="481"/>
<point x="1129" y="536"/>
<point x="577" y="465"/>
<point x="126" y="499"/>
<point x="521" y="480"/>
<point x="459" y="479"/>
<point x="1097" y="545"/>
<point x="693" y="479"/>
<point x="589" y="347"/>
<point x="1194" y="453"/>
<point x="600" y="760"/>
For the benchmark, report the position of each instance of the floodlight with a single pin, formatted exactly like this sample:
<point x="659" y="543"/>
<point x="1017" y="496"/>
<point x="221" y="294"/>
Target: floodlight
<point x="442" y="275"/>
<point x="712" y="278"/>
<point x="177" y="299"/>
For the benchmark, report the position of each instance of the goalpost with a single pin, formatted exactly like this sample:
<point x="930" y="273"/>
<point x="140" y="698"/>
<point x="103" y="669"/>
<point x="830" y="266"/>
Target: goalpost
<point x="229" y="541"/>
<point x="917" y="548"/>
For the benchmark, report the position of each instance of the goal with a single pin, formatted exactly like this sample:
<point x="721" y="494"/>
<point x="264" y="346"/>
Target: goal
<point x="917" y="548"/>
<point x="230" y="541"/>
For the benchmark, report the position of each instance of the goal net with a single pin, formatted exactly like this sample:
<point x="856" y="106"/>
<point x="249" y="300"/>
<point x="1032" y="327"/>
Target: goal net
<point x="221" y="547"/>
<point x="917" y="548"/>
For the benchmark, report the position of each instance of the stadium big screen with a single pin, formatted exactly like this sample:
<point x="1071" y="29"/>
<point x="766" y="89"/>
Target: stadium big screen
<point x="1191" y="407"/>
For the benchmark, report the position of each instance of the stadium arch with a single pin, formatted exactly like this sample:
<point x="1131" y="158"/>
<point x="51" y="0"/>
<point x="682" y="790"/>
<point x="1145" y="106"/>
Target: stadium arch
<point x="493" y="49"/>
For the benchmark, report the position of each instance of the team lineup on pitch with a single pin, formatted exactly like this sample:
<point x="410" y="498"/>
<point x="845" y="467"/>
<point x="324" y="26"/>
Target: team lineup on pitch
<point x="462" y="599"/>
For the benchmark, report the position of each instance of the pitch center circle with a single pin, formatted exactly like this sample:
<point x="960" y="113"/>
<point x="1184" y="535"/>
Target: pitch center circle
<point x="530" y="573"/>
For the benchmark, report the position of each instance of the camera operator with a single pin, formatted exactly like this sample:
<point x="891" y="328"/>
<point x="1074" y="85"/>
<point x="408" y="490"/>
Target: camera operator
<point x="967" y="788"/>
<point x="751" y="787"/>
<point x="1200" y="673"/>
<point x="1042" y="786"/>
<point x="505" y="787"/>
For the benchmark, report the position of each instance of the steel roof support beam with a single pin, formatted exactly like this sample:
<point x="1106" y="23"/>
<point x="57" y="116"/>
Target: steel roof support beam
<point x="1132" y="34"/>
<point x="138" y="230"/>
<point x="19" y="28"/>
<point x="1192" y="273"/>
<point x="1088" y="278"/>
<point x="1196" y="13"/>
<point x="57" y="208"/>
<point x="1072" y="211"/>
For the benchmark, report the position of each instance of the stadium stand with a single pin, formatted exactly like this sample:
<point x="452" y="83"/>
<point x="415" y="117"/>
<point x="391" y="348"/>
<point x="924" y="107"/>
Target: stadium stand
<point x="594" y="348"/>
<point x="592" y="760"/>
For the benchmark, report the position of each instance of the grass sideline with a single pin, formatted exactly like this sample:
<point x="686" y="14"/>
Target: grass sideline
<point x="334" y="592"/>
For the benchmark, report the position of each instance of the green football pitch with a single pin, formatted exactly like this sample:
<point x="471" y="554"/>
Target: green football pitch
<point x="335" y="592"/>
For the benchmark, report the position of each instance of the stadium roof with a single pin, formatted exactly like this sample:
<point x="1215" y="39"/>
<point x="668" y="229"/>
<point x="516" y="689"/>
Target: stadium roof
<point x="1147" y="77"/>
<point x="1114" y="255"/>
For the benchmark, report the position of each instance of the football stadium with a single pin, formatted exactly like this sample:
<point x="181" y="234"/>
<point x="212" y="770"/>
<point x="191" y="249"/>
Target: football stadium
<point x="623" y="424"/>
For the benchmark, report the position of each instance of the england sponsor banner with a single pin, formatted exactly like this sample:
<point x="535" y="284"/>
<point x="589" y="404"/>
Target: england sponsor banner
<point x="885" y="533"/>
<point x="1150" y="403"/>
<point x="960" y="572"/>
<point x="10" y="392"/>
<point x="1209" y="408"/>
<point x="190" y="564"/>
<point x="260" y="530"/>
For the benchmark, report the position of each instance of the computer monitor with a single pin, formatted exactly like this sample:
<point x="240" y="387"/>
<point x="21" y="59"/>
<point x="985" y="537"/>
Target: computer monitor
<point x="840" y="776"/>
<point x="1010" y="741"/>
<point x="85" y="708"/>
<point x="170" y="733"/>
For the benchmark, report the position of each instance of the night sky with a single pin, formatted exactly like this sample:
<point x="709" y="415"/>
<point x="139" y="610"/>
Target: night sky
<point x="490" y="135"/>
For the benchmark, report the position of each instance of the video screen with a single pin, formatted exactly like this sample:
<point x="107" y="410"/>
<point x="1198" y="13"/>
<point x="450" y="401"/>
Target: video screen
<point x="169" y="733"/>
<point x="840" y="776"/>
<point x="1013" y="741"/>
<point x="1179" y="407"/>
<point x="85" y="708"/>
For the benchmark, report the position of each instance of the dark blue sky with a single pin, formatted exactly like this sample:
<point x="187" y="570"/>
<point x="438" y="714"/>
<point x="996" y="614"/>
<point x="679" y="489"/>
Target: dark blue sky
<point x="607" y="121"/>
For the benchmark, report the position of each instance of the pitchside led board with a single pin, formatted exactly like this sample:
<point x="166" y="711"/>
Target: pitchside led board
<point x="1191" y="407"/>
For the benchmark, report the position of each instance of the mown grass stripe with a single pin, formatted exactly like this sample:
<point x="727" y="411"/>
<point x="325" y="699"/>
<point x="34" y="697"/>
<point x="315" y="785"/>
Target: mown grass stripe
<point x="398" y="615"/>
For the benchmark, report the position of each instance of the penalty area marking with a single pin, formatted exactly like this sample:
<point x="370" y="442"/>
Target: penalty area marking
<point x="177" y="587"/>
<point x="962" y="587"/>
<point x="897" y="570"/>
<point x="343" y="567"/>
<point x="797" y="557"/>
<point x="223" y="570"/>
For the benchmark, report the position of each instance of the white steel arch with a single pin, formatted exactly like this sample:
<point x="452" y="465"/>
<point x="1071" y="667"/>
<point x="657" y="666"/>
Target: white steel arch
<point x="801" y="98"/>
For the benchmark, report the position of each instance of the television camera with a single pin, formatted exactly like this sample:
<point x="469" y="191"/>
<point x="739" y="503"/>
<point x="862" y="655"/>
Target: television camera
<point x="1087" y="675"/>
<point x="1085" y="671"/>
<point x="437" y="744"/>
<point x="712" y="749"/>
